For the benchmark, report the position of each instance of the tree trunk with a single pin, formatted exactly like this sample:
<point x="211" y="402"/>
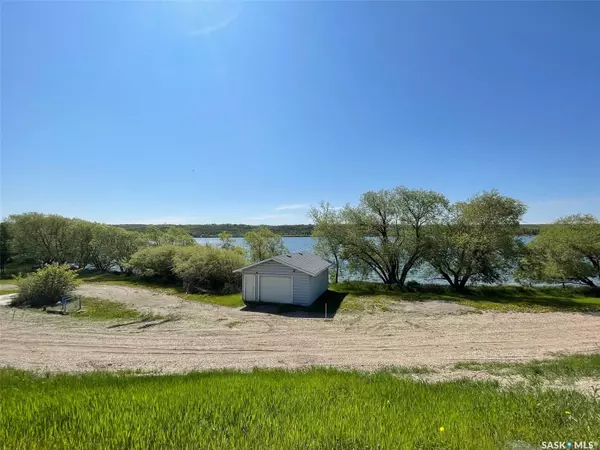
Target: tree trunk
<point x="337" y="269"/>
<point x="588" y="282"/>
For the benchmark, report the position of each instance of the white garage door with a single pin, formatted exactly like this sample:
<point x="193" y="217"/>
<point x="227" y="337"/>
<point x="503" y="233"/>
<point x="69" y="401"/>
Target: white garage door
<point x="276" y="289"/>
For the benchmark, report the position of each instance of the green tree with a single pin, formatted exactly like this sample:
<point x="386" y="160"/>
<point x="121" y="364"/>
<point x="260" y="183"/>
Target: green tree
<point x="5" y="245"/>
<point x="204" y="267"/>
<point x="226" y="239"/>
<point x="80" y="236"/>
<point x="386" y="234"/>
<point x="41" y="237"/>
<point x="328" y="236"/>
<point x="113" y="246"/>
<point x="567" y="251"/>
<point x="155" y="261"/>
<point x="169" y="236"/>
<point x="264" y="244"/>
<point x="46" y="286"/>
<point x="478" y="240"/>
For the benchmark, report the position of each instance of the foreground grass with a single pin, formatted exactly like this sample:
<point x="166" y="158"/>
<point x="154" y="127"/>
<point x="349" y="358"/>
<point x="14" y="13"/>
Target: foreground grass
<point x="231" y="300"/>
<point x="363" y="296"/>
<point x="278" y="409"/>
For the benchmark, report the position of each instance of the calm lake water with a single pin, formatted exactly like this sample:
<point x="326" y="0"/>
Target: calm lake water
<point x="294" y="244"/>
<point x="305" y="244"/>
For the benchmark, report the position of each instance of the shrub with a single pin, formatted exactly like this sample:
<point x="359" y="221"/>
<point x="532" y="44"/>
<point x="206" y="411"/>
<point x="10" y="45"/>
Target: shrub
<point x="204" y="267"/>
<point x="155" y="261"/>
<point x="46" y="286"/>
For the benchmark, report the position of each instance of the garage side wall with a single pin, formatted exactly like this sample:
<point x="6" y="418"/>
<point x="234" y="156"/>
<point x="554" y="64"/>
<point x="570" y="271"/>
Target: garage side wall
<point x="319" y="284"/>
<point x="301" y="291"/>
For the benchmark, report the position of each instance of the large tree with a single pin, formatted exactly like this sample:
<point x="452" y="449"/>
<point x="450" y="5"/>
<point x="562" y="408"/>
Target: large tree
<point x="264" y="244"/>
<point x="5" y="245"/>
<point x="114" y="246"/>
<point x="41" y="237"/>
<point x="567" y="251"/>
<point x="80" y="249"/>
<point x="328" y="236"/>
<point x="478" y="239"/>
<point x="387" y="233"/>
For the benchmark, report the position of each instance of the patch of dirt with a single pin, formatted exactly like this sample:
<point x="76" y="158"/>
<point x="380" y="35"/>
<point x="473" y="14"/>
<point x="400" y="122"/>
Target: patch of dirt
<point x="432" y="308"/>
<point x="587" y="386"/>
<point x="8" y="287"/>
<point x="209" y="337"/>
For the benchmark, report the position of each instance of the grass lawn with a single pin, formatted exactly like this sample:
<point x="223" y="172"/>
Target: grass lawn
<point x="364" y="296"/>
<point x="99" y="309"/>
<point x="318" y="409"/>
<point x="232" y="300"/>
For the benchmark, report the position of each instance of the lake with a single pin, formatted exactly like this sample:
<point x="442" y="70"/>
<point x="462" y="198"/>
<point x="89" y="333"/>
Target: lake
<point x="305" y="244"/>
<point x="294" y="244"/>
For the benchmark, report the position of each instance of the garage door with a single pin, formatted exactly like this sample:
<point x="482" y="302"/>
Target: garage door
<point x="276" y="289"/>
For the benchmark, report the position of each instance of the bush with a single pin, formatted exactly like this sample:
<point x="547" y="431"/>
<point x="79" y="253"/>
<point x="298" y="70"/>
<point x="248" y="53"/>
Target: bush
<point x="46" y="286"/>
<point x="204" y="267"/>
<point x="155" y="262"/>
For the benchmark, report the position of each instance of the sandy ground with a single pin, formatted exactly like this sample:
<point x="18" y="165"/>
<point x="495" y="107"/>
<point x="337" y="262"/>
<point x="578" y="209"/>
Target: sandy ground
<point x="203" y="336"/>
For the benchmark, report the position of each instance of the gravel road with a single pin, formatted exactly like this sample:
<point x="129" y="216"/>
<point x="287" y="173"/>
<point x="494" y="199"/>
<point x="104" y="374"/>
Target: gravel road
<point x="203" y="336"/>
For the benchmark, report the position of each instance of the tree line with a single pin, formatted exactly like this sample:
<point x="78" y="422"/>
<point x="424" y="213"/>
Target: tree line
<point x="171" y="255"/>
<point x="237" y="230"/>
<point x="393" y="232"/>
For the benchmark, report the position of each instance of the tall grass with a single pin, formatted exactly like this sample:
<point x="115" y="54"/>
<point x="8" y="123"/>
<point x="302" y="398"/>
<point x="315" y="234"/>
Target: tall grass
<point x="281" y="410"/>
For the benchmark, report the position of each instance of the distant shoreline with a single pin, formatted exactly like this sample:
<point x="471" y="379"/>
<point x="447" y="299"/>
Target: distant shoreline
<point x="238" y="230"/>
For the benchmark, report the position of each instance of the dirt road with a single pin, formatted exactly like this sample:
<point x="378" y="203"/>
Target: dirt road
<point x="204" y="336"/>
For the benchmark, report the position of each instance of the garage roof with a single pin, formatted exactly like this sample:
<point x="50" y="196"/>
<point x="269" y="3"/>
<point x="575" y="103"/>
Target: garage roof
<point x="304" y="262"/>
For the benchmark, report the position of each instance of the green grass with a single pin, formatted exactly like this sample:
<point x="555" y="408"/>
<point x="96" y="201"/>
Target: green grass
<point x="8" y="281"/>
<point x="100" y="309"/>
<point x="316" y="409"/>
<point x="366" y="296"/>
<point x="566" y="367"/>
<point x="8" y="291"/>
<point x="231" y="300"/>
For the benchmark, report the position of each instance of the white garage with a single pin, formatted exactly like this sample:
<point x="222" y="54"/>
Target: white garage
<point x="295" y="278"/>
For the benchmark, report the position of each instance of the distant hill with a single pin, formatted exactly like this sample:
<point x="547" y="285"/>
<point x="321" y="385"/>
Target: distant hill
<point x="238" y="230"/>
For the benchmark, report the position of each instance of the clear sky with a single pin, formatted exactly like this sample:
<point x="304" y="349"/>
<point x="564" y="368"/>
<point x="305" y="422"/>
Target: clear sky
<point x="200" y="112"/>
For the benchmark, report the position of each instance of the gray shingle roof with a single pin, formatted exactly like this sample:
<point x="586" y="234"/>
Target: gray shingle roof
<point x="302" y="261"/>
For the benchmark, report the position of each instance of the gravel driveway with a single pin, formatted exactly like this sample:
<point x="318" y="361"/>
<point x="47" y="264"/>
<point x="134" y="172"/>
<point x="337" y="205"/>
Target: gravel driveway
<point x="204" y="336"/>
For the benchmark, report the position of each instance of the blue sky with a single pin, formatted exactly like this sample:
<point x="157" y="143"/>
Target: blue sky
<point x="201" y="112"/>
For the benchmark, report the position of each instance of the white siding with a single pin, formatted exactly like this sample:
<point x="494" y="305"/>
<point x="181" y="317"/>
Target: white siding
<point x="318" y="285"/>
<point x="302" y="294"/>
<point x="302" y="289"/>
